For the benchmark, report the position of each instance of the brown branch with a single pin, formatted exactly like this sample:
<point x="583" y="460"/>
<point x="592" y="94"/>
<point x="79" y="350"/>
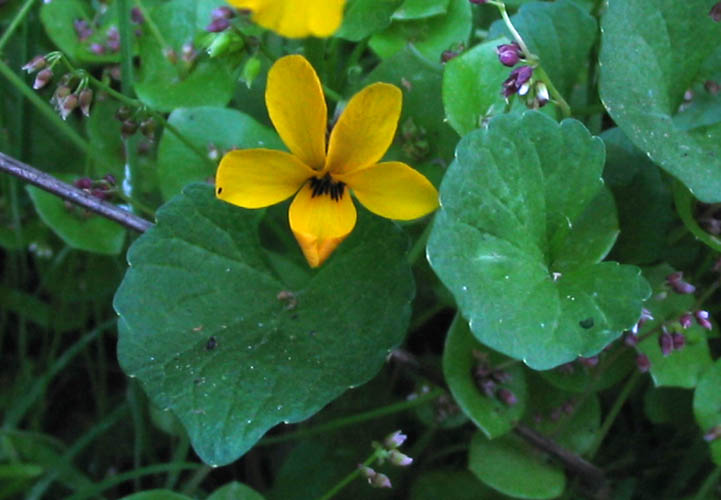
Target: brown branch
<point x="73" y="194"/>
<point x="589" y="473"/>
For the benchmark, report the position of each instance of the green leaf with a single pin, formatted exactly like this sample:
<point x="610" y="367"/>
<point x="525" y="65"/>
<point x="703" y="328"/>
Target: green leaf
<point x="235" y="491"/>
<point x="645" y="205"/>
<point x="652" y="52"/>
<point x="430" y="36"/>
<point x="572" y="419"/>
<point x="491" y="415"/>
<point x="561" y="33"/>
<point x="472" y="87"/>
<point x="58" y="19"/>
<point x="77" y="227"/>
<point x="668" y="405"/>
<point x="517" y="205"/>
<point x="511" y="466"/>
<point x="418" y="9"/>
<point x="210" y="340"/>
<point x="163" y="85"/>
<point x="206" y="128"/>
<point x="613" y="366"/>
<point x="362" y="18"/>
<point x="422" y="131"/>
<point x="451" y="484"/>
<point x="156" y="495"/>
<point x="707" y="406"/>
<point x="680" y="368"/>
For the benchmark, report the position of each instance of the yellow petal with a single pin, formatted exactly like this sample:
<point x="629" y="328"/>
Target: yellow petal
<point x="366" y="128"/>
<point x="297" y="108"/>
<point x="393" y="190"/>
<point x="254" y="178"/>
<point x="320" y="223"/>
<point x="296" y="19"/>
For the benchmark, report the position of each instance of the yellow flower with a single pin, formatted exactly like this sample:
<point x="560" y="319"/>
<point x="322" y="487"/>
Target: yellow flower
<point x="322" y="213"/>
<point x="296" y="18"/>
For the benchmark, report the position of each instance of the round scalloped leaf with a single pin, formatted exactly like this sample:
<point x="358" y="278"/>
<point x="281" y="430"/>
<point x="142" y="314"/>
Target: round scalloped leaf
<point x="524" y="224"/>
<point x="362" y="18"/>
<point x="511" y="466"/>
<point x="707" y="406"/>
<point x="491" y="415"/>
<point x="205" y="127"/>
<point x="156" y="495"/>
<point x="209" y="337"/>
<point x="652" y="52"/>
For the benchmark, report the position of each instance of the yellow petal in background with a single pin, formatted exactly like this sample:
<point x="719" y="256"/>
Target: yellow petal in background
<point x="297" y="108"/>
<point x="255" y="178"/>
<point x="393" y="190"/>
<point x="320" y="223"/>
<point x="365" y="130"/>
<point x="296" y="18"/>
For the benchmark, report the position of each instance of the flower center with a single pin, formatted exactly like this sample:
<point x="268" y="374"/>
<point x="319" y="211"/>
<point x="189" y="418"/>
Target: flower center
<point x="326" y="185"/>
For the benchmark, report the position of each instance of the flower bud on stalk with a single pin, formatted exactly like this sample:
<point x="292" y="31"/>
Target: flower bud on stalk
<point x="509" y="54"/>
<point x="35" y="64"/>
<point x="218" y="25"/>
<point x="394" y="440"/>
<point x="68" y="105"/>
<point x="251" y="70"/>
<point x="507" y="396"/>
<point x="128" y="128"/>
<point x="665" y="342"/>
<point x="42" y="78"/>
<point x="85" y="99"/>
<point x="397" y="458"/>
<point x="643" y="363"/>
<point x="679" y="341"/>
<point x="223" y="12"/>
<point x="702" y="319"/>
<point x="517" y="80"/>
<point x="686" y="320"/>
<point x="715" y="12"/>
<point x="147" y="128"/>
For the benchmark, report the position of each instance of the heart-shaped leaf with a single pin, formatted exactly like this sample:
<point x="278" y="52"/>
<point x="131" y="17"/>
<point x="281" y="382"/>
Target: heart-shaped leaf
<point x="652" y="52"/>
<point x="523" y="225"/>
<point x="216" y="336"/>
<point x="460" y="369"/>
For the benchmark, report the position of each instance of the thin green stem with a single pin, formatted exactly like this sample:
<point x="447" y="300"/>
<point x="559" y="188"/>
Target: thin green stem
<point x="350" y="477"/>
<point x="179" y="455"/>
<point x="126" y="48"/>
<point x="354" y="419"/>
<point x="708" y="484"/>
<point x="555" y="94"/>
<point x="134" y="474"/>
<point x="19" y="17"/>
<point x="684" y="201"/>
<point x="151" y="24"/>
<point x="332" y="94"/>
<point x="419" y="247"/>
<point x="613" y="412"/>
<point x="195" y="479"/>
<point x="516" y="35"/>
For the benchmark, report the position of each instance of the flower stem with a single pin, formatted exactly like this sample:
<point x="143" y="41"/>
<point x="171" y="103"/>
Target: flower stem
<point x="419" y="246"/>
<point x="354" y="419"/>
<point x="151" y="24"/>
<point x="613" y="412"/>
<point x="19" y="17"/>
<point x="516" y="35"/>
<point x="350" y="477"/>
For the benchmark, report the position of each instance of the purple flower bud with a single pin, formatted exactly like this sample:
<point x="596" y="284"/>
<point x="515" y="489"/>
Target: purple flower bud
<point x="679" y="341"/>
<point x="516" y="80"/>
<point x="82" y="29"/>
<point x="35" y="64"/>
<point x="100" y="194"/>
<point x="85" y="99"/>
<point x="366" y="472"/>
<point x="542" y="96"/>
<point x="676" y="282"/>
<point x="715" y="12"/>
<point x="645" y="316"/>
<point x="113" y="45"/>
<point x="42" y="78"/>
<point x="397" y="458"/>
<point x="589" y="362"/>
<point x="501" y="376"/>
<point x="218" y="25"/>
<point x="128" y="128"/>
<point x="713" y="434"/>
<point x="68" y="105"/>
<point x="702" y="319"/>
<point x="488" y="387"/>
<point x="136" y="15"/>
<point x="97" y="49"/>
<point x="630" y="339"/>
<point x="447" y="55"/>
<point x="674" y="277"/>
<point x="665" y="342"/>
<point x="686" y="320"/>
<point x="380" y="481"/>
<point x="83" y="183"/>
<point x="507" y="396"/>
<point x="509" y="54"/>
<point x="394" y="440"/>
<point x="110" y="179"/>
<point x="643" y="363"/>
<point x="223" y="12"/>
